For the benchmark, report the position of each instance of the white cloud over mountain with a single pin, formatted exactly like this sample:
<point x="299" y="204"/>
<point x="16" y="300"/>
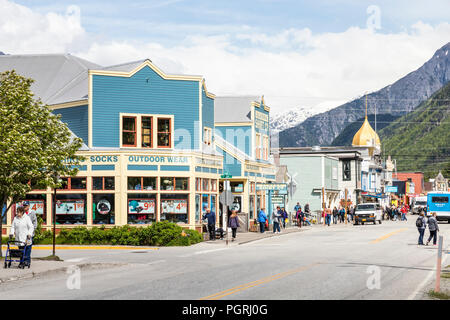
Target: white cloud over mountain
<point x="294" y="67"/>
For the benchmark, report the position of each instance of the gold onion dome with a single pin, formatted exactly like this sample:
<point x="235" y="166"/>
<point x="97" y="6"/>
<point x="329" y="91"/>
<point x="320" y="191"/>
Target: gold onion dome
<point x="366" y="136"/>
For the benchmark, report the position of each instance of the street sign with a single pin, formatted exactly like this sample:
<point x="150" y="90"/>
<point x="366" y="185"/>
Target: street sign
<point x="271" y="186"/>
<point x="393" y="189"/>
<point x="278" y="200"/>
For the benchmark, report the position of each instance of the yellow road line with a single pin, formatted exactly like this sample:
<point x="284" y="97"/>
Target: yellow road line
<point x="89" y="248"/>
<point x="245" y="286"/>
<point x="388" y="235"/>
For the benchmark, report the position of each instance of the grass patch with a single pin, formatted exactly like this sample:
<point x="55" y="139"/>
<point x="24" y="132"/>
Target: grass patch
<point x="49" y="258"/>
<point x="439" y="295"/>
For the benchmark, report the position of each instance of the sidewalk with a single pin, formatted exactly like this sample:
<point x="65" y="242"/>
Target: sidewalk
<point x="246" y="237"/>
<point x="42" y="268"/>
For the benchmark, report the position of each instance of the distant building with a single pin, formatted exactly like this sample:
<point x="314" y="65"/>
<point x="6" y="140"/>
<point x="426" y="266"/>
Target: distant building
<point x="440" y="183"/>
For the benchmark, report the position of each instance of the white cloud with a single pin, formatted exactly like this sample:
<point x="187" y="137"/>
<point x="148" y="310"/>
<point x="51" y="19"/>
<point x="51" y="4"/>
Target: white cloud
<point x="294" y="67"/>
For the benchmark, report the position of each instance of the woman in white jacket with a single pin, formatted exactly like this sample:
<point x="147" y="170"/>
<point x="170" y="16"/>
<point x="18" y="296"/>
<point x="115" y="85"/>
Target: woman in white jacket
<point x="22" y="229"/>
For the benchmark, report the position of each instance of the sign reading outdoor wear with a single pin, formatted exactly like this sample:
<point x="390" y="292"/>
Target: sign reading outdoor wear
<point x="271" y="186"/>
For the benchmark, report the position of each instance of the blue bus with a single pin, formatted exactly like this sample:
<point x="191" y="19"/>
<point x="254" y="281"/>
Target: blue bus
<point x="439" y="202"/>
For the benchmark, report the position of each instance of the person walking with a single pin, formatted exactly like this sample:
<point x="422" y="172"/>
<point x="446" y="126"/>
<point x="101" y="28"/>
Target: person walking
<point x="233" y="223"/>
<point x="404" y="211"/>
<point x="211" y="217"/>
<point x="297" y="207"/>
<point x="299" y="217"/>
<point x="32" y="215"/>
<point x="433" y="227"/>
<point x="421" y="224"/>
<point x="335" y="215"/>
<point x="342" y="215"/>
<point x="327" y="216"/>
<point x="262" y="218"/>
<point x="284" y="217"/>
<point x="22" y="230"/>
<point x="276" y="214"/>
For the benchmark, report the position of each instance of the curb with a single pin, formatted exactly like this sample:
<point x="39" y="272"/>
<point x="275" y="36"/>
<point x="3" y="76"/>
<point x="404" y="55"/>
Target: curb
<point x="273" y="235"/>
<point x="58" y="270"/>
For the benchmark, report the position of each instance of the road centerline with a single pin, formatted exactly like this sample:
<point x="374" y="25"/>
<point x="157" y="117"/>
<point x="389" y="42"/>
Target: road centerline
<point x="255" y="283"/>
<point x="389" y="235"/>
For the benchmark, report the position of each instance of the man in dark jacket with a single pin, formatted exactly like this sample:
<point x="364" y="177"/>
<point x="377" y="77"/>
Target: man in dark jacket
<point x="433" y="227"/>
<point x="421" y="224"/>
<point x="211" y="217"/>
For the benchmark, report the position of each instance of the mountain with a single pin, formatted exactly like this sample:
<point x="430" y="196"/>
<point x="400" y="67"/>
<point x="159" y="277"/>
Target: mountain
<point x="345" y="138"/>
<point x="292" y="117"/>
<point x="397" y="99"/>
<point x="420" y="140"/>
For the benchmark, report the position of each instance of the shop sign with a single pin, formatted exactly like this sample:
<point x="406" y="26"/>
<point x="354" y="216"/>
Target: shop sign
<point x="393" y="189"/>
<point x="35" y="205"/>
<point x="277" y="200"/>
<point x="177" y="206"/>
<point x="70" y="206"/>
<point x="261" y="120"/>
<point x="271" y="186"/>
<point x="141" y="206"/>
<point x="158" y="159"/>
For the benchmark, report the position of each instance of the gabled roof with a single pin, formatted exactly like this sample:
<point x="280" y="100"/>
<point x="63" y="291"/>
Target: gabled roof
<point x="58" y="78"/>
<point x="234" y="108"/>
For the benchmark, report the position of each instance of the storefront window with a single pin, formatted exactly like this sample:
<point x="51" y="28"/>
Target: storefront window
<point x="141" y="183"/>
<point x="198" y="184"/>
<point x="181" y="184"/>
<point x="205" y="184"/>
<point x="213" y="185"/>
<point x="213" y="203"/>
<point x="252" y="207"/>
<point x="252" y="187"/>
<point x="237" y="187"/>
<point x="71" y="209"/>
<point x="237" y="204"/>
<point x="174" y="208"/>
<point x="141" y="208"/>
<point x="205" y="202"/>
<point x="102" y="183"/>
<point x="74" y="183"/>
<point x="103" y="209"/>
<point x="167" y="183"/>
<point x="198" y="214"/>
<point x="38" y="204"/>
<point x="4" y="214"/>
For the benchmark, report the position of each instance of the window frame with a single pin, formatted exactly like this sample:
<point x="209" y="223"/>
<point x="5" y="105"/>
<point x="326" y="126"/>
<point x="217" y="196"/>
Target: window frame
<point x="151" y="132"/>
<point x="142" y="183"/>
<point x="103" y="183"/>
<point x="69" y="184"/>
<point x="164" y="132"/>
<point x="344" y="162"/>
<point x="122" y="131"/>
<point x="258" y="146"/>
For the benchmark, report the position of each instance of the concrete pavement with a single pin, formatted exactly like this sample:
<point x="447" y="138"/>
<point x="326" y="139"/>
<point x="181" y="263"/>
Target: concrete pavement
<point x="337" y="262"/>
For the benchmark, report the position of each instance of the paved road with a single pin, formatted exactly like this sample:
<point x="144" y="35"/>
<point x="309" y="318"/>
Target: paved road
<point x="322" y="263"/>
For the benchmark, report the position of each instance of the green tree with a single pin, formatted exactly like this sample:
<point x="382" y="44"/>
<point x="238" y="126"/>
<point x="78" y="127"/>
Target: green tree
<point x="33" y="142"/>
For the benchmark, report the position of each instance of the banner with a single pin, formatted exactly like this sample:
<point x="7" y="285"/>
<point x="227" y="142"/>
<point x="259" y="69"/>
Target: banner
<point x="35" y="205"/>
<point x="177" y="206"/>
<point x="141" y="206"/>
<point x="70" y="206"/>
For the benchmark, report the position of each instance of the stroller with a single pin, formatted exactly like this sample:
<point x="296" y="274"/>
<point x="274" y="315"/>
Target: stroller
<point x="18" y="253"/>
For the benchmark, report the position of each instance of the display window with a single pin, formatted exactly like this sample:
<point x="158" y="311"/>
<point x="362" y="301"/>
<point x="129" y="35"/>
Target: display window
<point x="38" y="204"/>
<point x="177" y="184"/>
<point x="205" y="203"/>
<point x="103" y="209"/>
<point x="102" y="183"/>
<point x="174" y="208"/>
<point x="198" y="211"/>
<point x="71" y="209"/>
<point x="213" y="203"/>
<point x="141" y="208"/>
<point x="213" y="185"/>
<point x="142" y="183"/>
<point x="252" y="207"/>
<point x="205" y="184"/>
<point x="237" y="187"/>
<point x="198" y="184"/>
<point x="74" y="183"/>
<point x="237" y="204"/>
<point x="252" y="187"/>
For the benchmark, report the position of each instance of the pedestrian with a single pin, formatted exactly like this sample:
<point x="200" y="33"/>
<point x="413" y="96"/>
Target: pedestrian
<point x="297" y="207"/>
<point x="284" y="217"/>
<point x="276" y="214"/>
<point x="350" y="214"/>
<point x="335" y="215"/>
<point x="22" y="230"/>
<point x="306" y="208"/>
<point x="421" y="224"/>
<point x="299" y="217"/>
<point x="327" y="216"/>
<point x="32" y="215"/>
<point x="233" y="223"/>
<point x="404" y="211"/>
<point x="211" y="217"/>
<point x="433" y="227"/>
<point x="262" y="219"/>
<point x="342" y="215"/>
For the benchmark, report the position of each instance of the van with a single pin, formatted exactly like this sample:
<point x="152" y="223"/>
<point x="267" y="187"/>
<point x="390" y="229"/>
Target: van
<point x="368" y="212"/>
<point x="419" y="205"/>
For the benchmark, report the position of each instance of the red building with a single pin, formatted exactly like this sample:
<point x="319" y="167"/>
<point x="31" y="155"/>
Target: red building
<point x="414" y="177"/>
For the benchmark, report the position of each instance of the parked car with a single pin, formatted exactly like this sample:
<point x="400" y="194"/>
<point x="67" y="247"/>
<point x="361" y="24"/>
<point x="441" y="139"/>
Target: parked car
<point x="368" y="212"/>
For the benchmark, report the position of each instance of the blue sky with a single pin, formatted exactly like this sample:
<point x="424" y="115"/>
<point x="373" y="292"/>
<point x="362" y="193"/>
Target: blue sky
<point x="162" y="20"/>
<point x="309" y="54"/>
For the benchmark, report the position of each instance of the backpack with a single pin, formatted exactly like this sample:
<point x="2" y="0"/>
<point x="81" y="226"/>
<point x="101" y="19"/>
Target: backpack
<point x="419" y="222"/>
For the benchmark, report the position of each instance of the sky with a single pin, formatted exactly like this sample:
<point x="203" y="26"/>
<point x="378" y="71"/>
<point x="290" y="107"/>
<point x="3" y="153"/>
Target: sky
<point x="314" y="54"/>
